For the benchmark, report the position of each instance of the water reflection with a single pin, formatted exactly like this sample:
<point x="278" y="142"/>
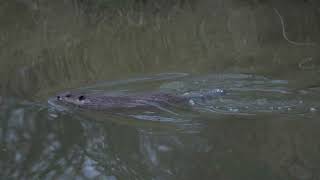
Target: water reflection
<point x="37" y="145"/>
<point x="204" y="141"/>
<point x="40" y="141"/>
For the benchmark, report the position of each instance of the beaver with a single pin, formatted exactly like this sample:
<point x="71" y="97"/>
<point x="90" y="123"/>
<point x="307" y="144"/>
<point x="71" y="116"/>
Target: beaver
<point x="105" y="101"/>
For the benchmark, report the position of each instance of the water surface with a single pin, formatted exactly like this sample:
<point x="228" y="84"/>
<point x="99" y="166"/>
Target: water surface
<point x="266" y="126"/>
<point x="260" y="129"/>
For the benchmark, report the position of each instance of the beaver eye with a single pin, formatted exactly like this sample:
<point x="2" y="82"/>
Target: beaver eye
<point x="68" y="95"/>
<point x="81" y="98"/>
<point x="58" y="97"/>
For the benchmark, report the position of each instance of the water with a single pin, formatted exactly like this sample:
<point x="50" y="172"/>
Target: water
<point x="265" y="126"/>
<point x="237" y="134"/>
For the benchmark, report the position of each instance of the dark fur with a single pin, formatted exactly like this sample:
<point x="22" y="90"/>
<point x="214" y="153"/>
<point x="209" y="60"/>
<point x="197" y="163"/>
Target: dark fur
<point x="100" y="101"/>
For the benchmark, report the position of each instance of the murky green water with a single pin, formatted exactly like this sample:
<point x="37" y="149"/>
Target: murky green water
<point x="266" y="125"/>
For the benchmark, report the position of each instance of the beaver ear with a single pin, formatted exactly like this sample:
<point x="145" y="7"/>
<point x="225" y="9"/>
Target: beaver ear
<point x="81" y="98"/>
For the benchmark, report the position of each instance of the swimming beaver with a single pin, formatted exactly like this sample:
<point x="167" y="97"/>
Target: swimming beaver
<point x="103" y="101"/>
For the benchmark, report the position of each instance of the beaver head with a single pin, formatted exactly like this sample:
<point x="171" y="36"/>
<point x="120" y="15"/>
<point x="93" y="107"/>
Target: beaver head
<point x="72" y="98"/>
